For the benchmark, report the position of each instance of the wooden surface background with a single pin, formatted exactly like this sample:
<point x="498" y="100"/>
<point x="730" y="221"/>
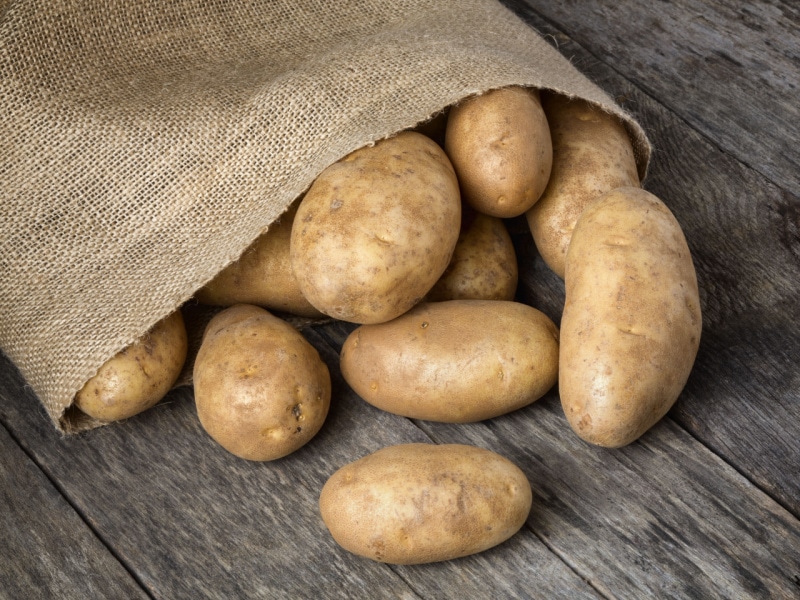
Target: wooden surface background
<point x="705" y="505"/>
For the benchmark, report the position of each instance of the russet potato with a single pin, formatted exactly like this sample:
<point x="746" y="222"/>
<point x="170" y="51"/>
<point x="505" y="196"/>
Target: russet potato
<point x="139" y="376"/>
<point x="422" y="503"/>
<point x="457" y="361"/>
<point x="499" y="144"/>
<point x="484" y="263"/>
<point x="262" y="275"/>
<point x="631" y="323"/>
<point x="377" y="229"/>
<point x="592" y="154"/>
<point x="261" y="390"/>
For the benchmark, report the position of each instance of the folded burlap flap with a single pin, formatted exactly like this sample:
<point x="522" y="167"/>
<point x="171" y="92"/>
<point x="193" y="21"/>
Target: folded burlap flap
<point x="144" y="145"/>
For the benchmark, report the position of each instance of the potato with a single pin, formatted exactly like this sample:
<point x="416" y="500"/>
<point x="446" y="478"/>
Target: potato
<point x="421" y="503"/>
<point x="484" y="264"/>
<point x="261" y="389"/>
<point x="592" y="154"/>
<point x="456" y="361"/>
<point x="631" y="323"/>
<point x="499" y="144"/>
<point x="263" y="275"/>
<point x="139" y="376"/>
<point x="377" y="229"/>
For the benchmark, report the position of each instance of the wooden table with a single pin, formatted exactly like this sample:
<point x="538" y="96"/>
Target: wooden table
<point x="705" y="505"/>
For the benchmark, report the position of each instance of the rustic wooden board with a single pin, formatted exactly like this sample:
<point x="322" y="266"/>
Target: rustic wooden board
<point x="46" y="549"/>
<point x="662" y="517"/>
<point x="743" y="398"/>
<point x="731" y="69"/>
<point x="704" y="505"/>
<point x="193" y="521"/>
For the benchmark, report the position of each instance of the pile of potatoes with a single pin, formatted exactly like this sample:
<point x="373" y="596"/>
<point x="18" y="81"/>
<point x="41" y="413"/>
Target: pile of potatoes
<point x="407" y="239"/>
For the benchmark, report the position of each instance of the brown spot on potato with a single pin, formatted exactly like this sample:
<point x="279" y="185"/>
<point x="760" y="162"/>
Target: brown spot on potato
<point x="585" y="422"/>
<point x="297" y="412"/>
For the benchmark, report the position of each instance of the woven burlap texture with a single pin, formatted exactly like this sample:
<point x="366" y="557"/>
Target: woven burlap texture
<point x="144" y="145"/>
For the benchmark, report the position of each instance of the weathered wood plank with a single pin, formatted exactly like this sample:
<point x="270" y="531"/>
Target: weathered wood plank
<point x="190" y="519"/>
<point x="193" y="521"/>
<point x="46" y="550"/>
<point x="518" y="568"/>
<point x="663" y="517"/>
<point x="743" y="397"/>
<point x="731" y="69"/>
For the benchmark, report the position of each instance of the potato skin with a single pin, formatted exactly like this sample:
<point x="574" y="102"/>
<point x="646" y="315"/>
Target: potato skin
<point x="499" y="144"/>
<point x="377" y="229"/>
<point x="139" y="376"/>
<point x="592" y="154"/>
<point x="261" y="390"/>
<point x="484" y="264"/>
<point x="262" y="275"/>
<point x="421" y="503"/>
<point x="631" y="323"/>
<point x="457" y="362"/>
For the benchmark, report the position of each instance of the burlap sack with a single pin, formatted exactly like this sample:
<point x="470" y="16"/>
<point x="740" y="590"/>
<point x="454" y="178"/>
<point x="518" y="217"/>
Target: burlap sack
<point x="144" y="145"/>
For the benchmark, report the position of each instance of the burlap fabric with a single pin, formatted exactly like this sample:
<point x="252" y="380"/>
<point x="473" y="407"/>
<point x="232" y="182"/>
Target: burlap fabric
<point x="144" y="145"/>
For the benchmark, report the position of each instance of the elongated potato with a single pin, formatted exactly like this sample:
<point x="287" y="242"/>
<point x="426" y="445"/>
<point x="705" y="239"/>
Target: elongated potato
<point x="421" y="503"/>
<point x="261" y="390"/>
<point x="499" y="144"/>
<point x="592" y="154"/>
<point x="263" y="275"/>
<point x="456" y="361"/>
<point x="377" y="229"/>
<point x="139" y="376"/>
<point x="631" y="323"/>
<point x="484" y="263"/>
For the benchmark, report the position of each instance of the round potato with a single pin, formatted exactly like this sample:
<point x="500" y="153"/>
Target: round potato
<point x="138" y="376"/>
<point x="592" y="154"/>
<point x="499" y="144"/>
<point x="421" y="503"/>
<point x="456" y="361"/>
<point x="263" y="275"/>
<point x="261" y="389"/>
<point x="631" y="324"/>
<point x="484" y="264"/>
<point x="377" y="229"/>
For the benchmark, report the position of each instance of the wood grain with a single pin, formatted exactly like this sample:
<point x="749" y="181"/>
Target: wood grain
<point x="742" y="398"/>
<point x="705" y="505"/>
<point x="730" y="69"/>
<point x="47" y="551"/>
<point x="663" y="517"/>
<point x="194" y="521"/>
